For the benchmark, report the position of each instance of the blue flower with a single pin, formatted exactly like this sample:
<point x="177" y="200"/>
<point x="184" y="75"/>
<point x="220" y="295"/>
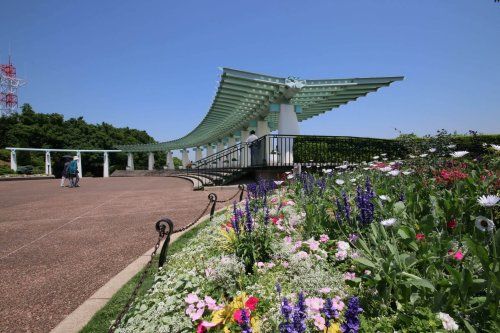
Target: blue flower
<point x="329" y="311"/>
<point x="351" y="320"/>
<point x="299" y="315"/>
<point x="245" y="322"/>
<point x="249" y="219"/>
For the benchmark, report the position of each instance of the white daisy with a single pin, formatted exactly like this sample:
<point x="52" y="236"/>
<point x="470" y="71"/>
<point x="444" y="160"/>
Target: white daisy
<point x="353" y="180"/>
<point x="384" y="197"/>
<point x="386" y="169"/>
<point x="376" y="157"/>
<point x="392" y="163"/>
<point x="407" y="172"/>
<point x="496" y="147"/>
<point x="488" y="200"/>
<point x="423" y="155"/>
<point x="484" y="224"/>
<point x="451" y="146"/>
<point x="327" y="170"/>
<point x="388" y="222"/>
<point x="449" y="323"/>
<point x="394" y="172"/>
<point x="278" y="182"/>
<point x="384" y="154"/>
<point x="411" y="156"/>
<point x="339" y="181"/>
<point x="458" y="154"/>
<point x="432" y="150"/>
<point x="344" y="166"/>
<point x="289" y="177"/>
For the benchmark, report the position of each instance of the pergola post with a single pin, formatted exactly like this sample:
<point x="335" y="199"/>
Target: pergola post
<point x="13" y="160"/>
<point x="262" y="128"/>
<point x="170" y="160"/>
<point x="231" y="141"/>
<point x="185" y="158"/>
<point x="245" y="151"/>
<point x="79" y="163"/>
<point x="130" y="162"/>
<point x="105" y="171"/>
<point x="210" y="150"/>
<point x="48" y="163"/>
<point x="198" y="153"/>
<point x="220" y="160"/>
<point x="288" y="124"/>
<point x="151" y="161"/>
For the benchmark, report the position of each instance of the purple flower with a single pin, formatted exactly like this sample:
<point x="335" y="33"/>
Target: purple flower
<point x="266" y="215"/>
<point x="347" y="206"/>
<point x="236" y="219"/>
<point x="364" y="203"/>
<point x="329" y="311"/>
<point x="351" y="320"/>
<point x="299" y="315"/>
<point x="278" y="288"/>
<point x="249" y="220"/>
<point x="245" y="322"/>
<point x="286" y="311"/>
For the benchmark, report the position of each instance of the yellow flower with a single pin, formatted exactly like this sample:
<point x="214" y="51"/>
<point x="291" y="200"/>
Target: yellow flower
<point x="335" y="328"/>
<point x="226" y="242"/>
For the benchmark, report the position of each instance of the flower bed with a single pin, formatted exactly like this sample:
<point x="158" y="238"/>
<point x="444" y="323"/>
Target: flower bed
<point x="409" y="246"/>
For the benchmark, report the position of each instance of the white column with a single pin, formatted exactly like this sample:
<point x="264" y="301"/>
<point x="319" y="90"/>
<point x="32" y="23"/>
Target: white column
<point x="130" y="162"/>
<point x="198" y="154"/>
<point x="170" y="160"/>
<point x="13" y="160"/>
<point x="288" y="124"/>
<point x="231" y="141"/>
<point x="245" y="152"/>
<point x="185" y="157"/>
<point x="262" y="128"/>
<point x="105" y="171"/>
<point x="80" y="170"/>
<point x="48" y="163"/>
<point x="220" y="160"/>
<point x="151" y="161"/>
<point x="210" y="150"/>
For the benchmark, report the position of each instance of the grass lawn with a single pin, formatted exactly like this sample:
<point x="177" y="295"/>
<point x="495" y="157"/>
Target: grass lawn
<point x="101" y="321"/>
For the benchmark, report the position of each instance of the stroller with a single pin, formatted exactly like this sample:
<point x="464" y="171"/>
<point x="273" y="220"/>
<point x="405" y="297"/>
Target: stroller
<point x="73" y="173"/>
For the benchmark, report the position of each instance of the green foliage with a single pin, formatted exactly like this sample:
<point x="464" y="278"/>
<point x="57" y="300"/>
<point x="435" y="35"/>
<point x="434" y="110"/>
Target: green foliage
<point x="39" y="130"/>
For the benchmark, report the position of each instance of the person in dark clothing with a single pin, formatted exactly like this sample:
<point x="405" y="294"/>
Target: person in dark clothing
<point x="65" y="172"/>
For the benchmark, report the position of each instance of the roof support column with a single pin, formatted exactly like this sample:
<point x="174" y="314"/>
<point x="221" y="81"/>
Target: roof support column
<point x="262" y="128"/>
<point x="245" y="151"/>
<point x="198" y="153"/>
<point x="210" y="150"/>
<point x="151" y="161"/>
<point x="105" y="171"/>
<point x="79" y="162"/>
<point x="48" y="163"/>
<point x="288" y="124"/>
<point x="13" y="160"/>
<point x="220" y="147"/>
<point x="231" y="141"/>
<point x="185" y="158"/>
<point x="130" y="162"/>
<point x="170" y="160"/>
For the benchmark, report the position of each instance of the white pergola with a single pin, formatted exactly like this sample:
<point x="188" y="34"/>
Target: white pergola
<point x="48" y="161"/>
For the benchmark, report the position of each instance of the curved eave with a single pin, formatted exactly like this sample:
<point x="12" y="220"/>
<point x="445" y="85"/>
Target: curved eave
<point x="244" y="96"/>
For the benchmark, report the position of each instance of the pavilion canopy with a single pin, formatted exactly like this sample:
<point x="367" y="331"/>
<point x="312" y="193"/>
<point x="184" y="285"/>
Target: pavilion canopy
<point x="244" y="97"/>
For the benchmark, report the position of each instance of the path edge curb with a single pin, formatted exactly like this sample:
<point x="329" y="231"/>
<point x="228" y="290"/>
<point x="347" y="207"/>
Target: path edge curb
<point x="76" y="320"/>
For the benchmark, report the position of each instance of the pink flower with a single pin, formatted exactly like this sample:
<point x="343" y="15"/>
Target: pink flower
<point x="355" y="255"/>
<point x="251" y="303"/>
<point x="270" y="265"/>
<point x="285" y="264"/>
<point x="349" y="276"/>
<point x="315" y="304"/>
<point x="196" y="315"/>
<point x="341" y="245"/>
<point x="337" y="303"/>
<point x="209" y="271"/>
<point x="274" y="200"/>
<point x="200" y="305"/>
<point x="207" y="324"/>
<point x="313" y="245"/>
<point x="191" y="298"/>
<point x="288" y="240"/>
<point x="458" y="255"/>
<point x="260" y="264"/>
<point x="324" y="238"/>
<point x="420" y="237"/>
<point x="319" y="322"/>
<point x="297" y="245"/>
<point x="237" y="315"/>
<point x="341" y="255"/>
<point x="211" y="304"/>
<point x="325" y="290"/>
<point x="200" y="328"/>
<point x="302" y="255"/>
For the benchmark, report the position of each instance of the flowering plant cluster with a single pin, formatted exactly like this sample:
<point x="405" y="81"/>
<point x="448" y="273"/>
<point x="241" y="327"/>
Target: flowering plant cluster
<point x="381" y="246"/>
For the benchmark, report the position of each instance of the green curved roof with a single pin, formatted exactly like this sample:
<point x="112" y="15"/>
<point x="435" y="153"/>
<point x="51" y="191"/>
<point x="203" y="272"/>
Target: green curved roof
<point x="243" y="97"/>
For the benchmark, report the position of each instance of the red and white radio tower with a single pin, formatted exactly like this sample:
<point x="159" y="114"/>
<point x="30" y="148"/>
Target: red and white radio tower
<point x="9" y="84"/>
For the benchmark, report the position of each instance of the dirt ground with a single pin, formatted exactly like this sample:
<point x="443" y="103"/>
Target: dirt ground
<point x="59" y="245"/>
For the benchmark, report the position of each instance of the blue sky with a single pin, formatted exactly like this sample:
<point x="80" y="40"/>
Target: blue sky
<point x="153" y="65"/>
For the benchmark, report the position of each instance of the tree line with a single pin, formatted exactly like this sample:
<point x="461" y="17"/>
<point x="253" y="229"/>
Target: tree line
<point x="39" y="130"/>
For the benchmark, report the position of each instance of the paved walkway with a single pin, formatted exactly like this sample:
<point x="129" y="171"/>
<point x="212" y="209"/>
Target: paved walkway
<point x="59" y="245"/>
